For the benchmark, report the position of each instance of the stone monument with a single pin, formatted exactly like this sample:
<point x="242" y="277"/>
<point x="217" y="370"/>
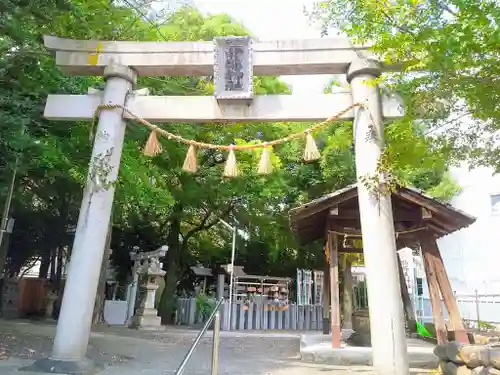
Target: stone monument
<point x="146" y="316"/>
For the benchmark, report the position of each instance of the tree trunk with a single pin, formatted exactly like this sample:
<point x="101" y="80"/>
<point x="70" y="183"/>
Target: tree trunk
<point x="44" y="265"/>
<point x="53" y="256"/>
<point x="59" y="244"/>
<point x="4" y="249"/>
<point x="347" y="305"/>
<point x="100" y="299"/>
<point x="60" y="257"/>
<point x="167" y="301"/>
<point x="55" y="278"/>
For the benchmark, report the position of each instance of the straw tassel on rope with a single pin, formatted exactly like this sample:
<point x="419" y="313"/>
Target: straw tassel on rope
<point x="153" y="146"/>
<point x="190" y="162"/>
<point x="230" y="169"/>
<point x="265" y="164"/>
<point x="311" y="151"/>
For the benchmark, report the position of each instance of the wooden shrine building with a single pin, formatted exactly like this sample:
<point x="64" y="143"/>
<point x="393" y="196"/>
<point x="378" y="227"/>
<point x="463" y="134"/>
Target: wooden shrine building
<point x="418" y="221"/>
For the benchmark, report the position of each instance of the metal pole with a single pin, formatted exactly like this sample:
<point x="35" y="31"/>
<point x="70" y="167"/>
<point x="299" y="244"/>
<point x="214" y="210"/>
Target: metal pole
<point x="477" y="311"/>
<point x="6" y="207"/>
<point x="191" y="350"/>
<point x="215" y="344"/>
<point x="5" y="215"/>
<point x="133" y="294"/>
<point x="231" y="276"/>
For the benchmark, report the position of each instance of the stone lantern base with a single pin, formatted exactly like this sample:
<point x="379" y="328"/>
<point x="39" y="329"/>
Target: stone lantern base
<point x="146" y="316"/>
<point x="147" y="319"/>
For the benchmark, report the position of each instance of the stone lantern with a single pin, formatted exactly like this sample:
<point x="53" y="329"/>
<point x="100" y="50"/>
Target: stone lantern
<point x="146" y="316"/>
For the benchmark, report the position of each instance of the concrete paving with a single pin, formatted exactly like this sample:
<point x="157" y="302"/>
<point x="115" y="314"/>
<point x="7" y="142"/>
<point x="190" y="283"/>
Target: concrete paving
<point x="317" y="348"/>
<point x="129" y="352"/>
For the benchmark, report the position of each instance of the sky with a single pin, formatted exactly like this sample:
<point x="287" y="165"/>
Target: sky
<point x="271" y="20"/>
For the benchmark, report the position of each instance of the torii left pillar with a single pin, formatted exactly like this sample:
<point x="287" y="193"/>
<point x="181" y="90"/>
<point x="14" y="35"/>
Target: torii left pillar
<point x="75" y="318"/>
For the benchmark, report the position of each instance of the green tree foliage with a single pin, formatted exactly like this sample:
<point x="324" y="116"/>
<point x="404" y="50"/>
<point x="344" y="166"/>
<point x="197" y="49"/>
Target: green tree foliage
<point x="53" y="156"/>
<point x="449" y="49"/>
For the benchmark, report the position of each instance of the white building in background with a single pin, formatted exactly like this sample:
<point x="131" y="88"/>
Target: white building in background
<point x="472" y="255"/>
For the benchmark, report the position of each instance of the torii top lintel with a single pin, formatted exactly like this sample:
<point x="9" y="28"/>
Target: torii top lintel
<point x="270" y="58"/>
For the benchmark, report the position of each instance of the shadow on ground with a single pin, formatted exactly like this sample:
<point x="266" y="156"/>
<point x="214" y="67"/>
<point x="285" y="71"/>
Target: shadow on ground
<point x="122" y="351"/>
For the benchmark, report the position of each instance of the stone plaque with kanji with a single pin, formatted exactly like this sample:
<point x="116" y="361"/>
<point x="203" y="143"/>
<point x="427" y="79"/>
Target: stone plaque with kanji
<point x="233" y="69"/>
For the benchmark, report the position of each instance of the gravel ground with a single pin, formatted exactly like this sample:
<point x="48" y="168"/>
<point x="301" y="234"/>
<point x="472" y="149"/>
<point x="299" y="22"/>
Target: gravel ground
<point x="122" y="351"/>
<point x="130" y="352"/>
<point x="33" y="347"/>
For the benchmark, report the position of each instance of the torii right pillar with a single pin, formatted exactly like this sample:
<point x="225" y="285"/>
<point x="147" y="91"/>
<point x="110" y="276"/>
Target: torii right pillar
<point x="387" y="327"/>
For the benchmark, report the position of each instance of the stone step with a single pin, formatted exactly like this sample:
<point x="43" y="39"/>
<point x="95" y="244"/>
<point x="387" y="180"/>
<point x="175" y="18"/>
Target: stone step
<point x="317" y="348"/>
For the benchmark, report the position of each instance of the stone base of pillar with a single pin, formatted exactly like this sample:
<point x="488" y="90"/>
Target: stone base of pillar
<point x="49" y="305"/>
<point x="53" y="366"/>
<point x="147" y="319"/>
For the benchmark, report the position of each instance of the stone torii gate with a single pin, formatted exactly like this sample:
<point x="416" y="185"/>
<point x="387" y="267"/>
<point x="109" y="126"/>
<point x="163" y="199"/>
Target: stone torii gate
<point x="232" y="61"/>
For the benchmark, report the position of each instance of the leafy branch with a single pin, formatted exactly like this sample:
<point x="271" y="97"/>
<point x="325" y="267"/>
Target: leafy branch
<point x="207" y="222"/>
<point x="383" y="182"/>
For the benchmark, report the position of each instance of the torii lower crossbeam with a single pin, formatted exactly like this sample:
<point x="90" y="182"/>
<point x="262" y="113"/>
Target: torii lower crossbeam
<point x="199" y="109"/>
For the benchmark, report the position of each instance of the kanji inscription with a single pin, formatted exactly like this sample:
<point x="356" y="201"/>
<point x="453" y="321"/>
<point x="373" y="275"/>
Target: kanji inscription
<point x="233" y="69"/>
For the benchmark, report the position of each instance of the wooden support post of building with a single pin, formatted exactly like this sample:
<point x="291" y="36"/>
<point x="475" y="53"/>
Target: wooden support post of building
<point x="334" y="288"/>
<point x="407" y="305"/>
<point x="430" y="247"/>
<point x="430" y="273"/>
<point x="326" y="292"/>
<point x="347" y="294"/>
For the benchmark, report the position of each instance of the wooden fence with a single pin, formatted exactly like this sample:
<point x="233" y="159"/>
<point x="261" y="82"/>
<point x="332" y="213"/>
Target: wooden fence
<point x="255" y="316"/>
<point x="22" y="297"/>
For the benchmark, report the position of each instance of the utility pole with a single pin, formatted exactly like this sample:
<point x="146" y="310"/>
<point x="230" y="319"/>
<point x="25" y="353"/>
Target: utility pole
<point x="5" y="217"/>
<point x="231" y="271"/>
<point x="132" y="291"/>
